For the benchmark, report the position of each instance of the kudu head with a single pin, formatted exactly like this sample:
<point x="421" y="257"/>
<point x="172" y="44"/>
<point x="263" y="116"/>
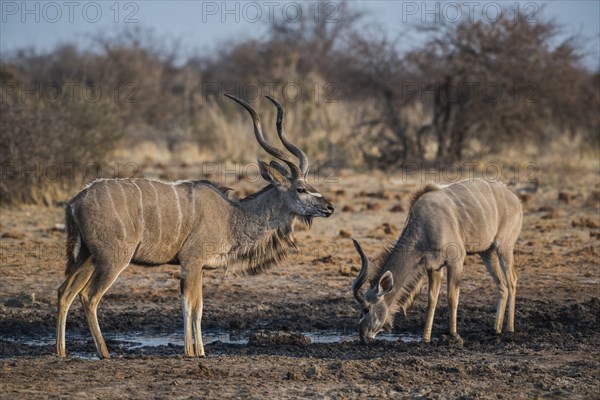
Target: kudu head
<point x="375" y="314"/>
<point x="300" y="197"/>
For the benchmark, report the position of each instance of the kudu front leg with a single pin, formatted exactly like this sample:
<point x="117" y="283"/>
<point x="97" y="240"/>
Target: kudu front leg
<point x="191" y="297"/>
<point x="454" y="276"/>
<point x="435" y="283"/>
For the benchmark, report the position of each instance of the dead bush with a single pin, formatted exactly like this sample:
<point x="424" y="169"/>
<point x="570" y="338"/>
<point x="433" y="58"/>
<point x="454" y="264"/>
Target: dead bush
<point x="49" y="149"/>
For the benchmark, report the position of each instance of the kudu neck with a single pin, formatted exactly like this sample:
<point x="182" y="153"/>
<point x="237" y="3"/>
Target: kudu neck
<point x="404" y="262"/>
<point x="265" y="211"/>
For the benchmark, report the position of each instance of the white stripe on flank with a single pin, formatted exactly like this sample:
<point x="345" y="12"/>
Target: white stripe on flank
<point x="158" y="216"/>
<point x="476" y="196"/>
<point x="505" y="209"/>
<point x="96" y="200"/>
<point x="141" y="204"/>
<point x="462" y="204"/>
<point x="496" y="209"/>
<point x="487" y="200"/>
<point x="514" y="221"/>
<point x="112" y="203"/>
<point x="468" y="190"/>
<point x="193" y="205"/>
<point x="126" y="205"/>
<point x="179" y="215"/>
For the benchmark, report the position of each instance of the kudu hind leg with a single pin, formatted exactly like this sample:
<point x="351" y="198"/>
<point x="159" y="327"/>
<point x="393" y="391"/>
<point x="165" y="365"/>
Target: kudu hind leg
<point x="102" y="279"/>
<point x="435" y="283"/>
<point x="506" y="259"/>
<point x="492" y="264"/>
<point x="72" y="285"/>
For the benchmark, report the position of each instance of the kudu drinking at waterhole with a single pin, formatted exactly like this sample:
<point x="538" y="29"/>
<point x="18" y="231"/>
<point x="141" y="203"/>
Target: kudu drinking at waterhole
<point x="444" y="224"/>
<point x="114" y="222"/>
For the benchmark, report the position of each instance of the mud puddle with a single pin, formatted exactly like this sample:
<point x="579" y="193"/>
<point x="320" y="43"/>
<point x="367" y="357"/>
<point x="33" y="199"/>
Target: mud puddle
<point x="135" y="342"/>
<point x="138" y="341"/>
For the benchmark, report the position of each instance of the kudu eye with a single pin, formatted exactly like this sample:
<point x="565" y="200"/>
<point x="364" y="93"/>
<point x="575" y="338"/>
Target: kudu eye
<point x="301" y="190"/>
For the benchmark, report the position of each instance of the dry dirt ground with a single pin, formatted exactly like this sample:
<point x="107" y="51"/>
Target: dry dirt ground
<point x="553" y="354"/>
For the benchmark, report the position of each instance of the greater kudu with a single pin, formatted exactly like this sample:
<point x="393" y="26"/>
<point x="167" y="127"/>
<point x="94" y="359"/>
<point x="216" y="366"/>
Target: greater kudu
<point x="114" y="222"/>
<point x="444" y="224"/>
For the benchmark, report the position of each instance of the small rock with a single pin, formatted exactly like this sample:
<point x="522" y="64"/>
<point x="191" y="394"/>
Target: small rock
<point x="593" y="200"/>
<point x="345" y="233"/>
<point x="328" y="259"/>
<point x="385" y="229"/>
<point x="451" y="340"/>
<point x="267" y="338"/>
<point x="525" y="197"/>
<point x="382" y="194"/>
<point x="313" y="373"/>
<point x="13" y="235"/>
<point x="167" y="176"/>
<point x="552" y="214"/>
<point x="291" y="376"/>
<point x="390" y="229"/>
<point x="58" y="228"/>
<point x="205" y="371"/>
<point x="565" y="197"/>
<point x="347" y="208"/>
<point x="585" y="223"/>
<point x="373" y="206"/>
<point x="20" y="301"/>
<point x="398" y="208"/>
<point x="345" y="270"/>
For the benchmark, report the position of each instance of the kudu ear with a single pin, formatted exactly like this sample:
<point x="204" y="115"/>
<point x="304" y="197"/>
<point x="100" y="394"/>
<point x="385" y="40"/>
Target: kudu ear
<point x="386" y="284"/>
<point x="272" y="175"/>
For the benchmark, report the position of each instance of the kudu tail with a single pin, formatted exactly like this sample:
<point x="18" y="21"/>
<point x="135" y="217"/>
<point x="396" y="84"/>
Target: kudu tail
<point x="76" y="250"/>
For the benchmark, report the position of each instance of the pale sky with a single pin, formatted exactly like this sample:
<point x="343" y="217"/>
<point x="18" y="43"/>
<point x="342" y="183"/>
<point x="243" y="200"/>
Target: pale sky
<point x="203" y="25"/>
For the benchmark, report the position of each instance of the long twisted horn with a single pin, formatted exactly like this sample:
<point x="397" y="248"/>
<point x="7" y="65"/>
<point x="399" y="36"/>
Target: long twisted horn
<point x="260" y="138"/>
<point x="295" y="150"/>
<point x="362" y="275"/>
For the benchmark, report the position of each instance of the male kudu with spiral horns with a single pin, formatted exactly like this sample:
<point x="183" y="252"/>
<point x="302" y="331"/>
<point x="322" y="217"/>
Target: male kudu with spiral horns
<point x="114" y="222"/>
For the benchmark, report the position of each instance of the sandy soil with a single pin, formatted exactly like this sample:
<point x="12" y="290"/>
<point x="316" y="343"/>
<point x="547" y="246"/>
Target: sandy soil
<point x="554" y="352"/>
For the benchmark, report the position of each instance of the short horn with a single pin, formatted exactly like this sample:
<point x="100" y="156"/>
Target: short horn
<point x="260" y="138"/>
<point x="295" y="150"/>
<point x="362" y="275"/>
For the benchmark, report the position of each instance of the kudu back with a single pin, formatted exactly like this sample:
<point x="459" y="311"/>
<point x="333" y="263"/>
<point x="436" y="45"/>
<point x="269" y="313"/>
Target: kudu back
<point x="114" y="222"/>
<point x="444" y="224"/>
